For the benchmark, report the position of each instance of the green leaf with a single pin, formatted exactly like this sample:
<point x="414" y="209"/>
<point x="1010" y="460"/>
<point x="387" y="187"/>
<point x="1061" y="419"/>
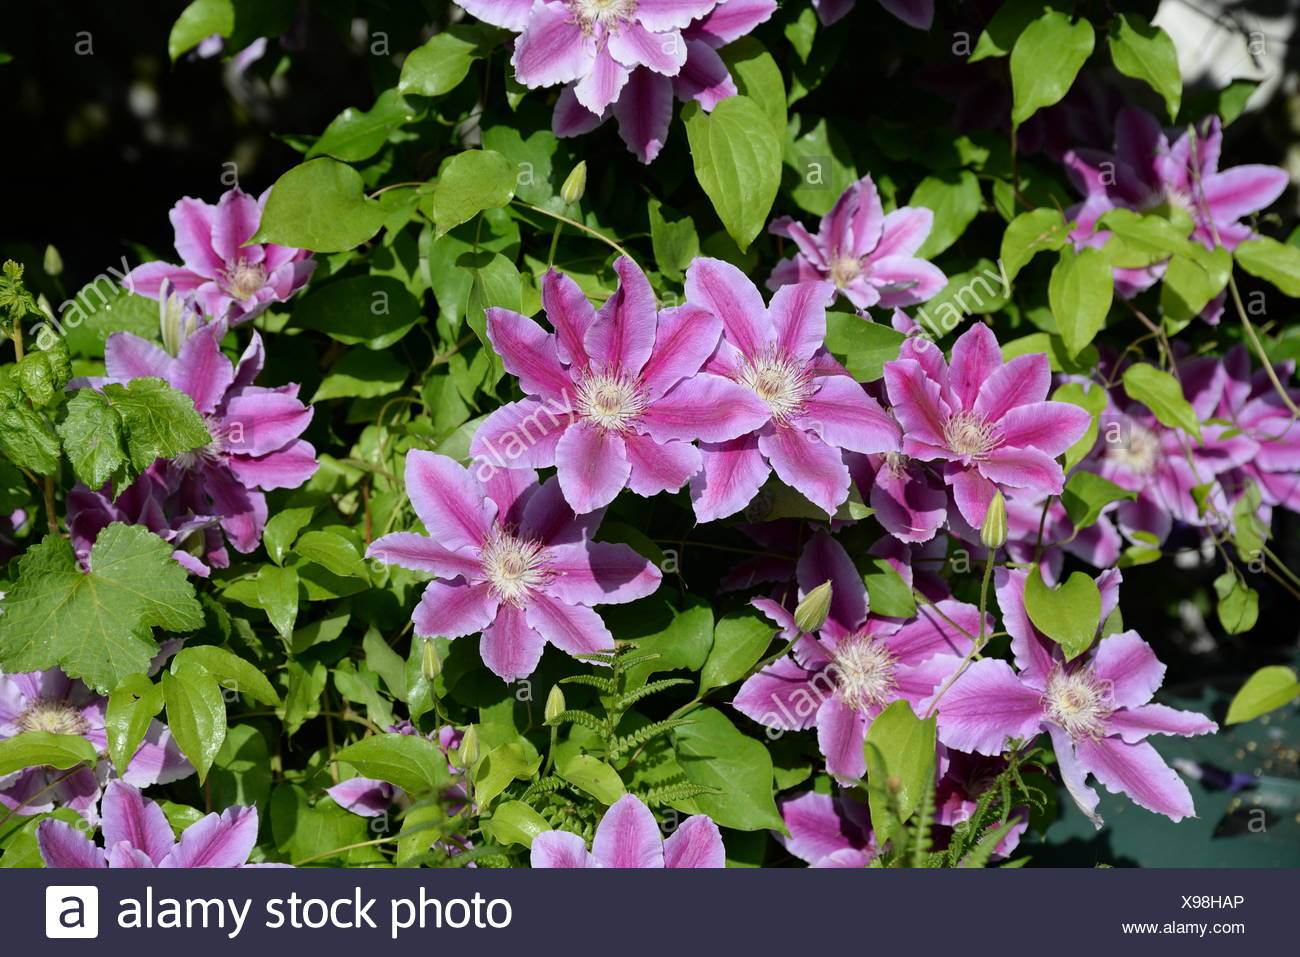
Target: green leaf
<point x="758" y="77"/>
<point x="1030" y="233"/>
<point x="374" y="311"/>
<point x="1069" y="614"/>
<point x="200" y="20"/>
<point x="1093" y="399"/>
<point x="861" y="345"/>
<point x="362" y="374"/>
<point x="1190" y="282"/>
<point x="899" y="751"/>
<point x="410" y="761"/>
<point x="358" y="134"/>
<point x="1161" y="393"/>
<point x="159" y="421"/>
<point x="1045" y="60"/>
<point x="675" y="242"/>
<point x="332" y="551"/>
<point x="469" y="183"/>
<point x="888" y="593"/>
<point x="43" y="749"/>
<point x="101" y="308"/>
<point x="999" y="37"/>
<point x="1086" y="494"/>
<point x="302" y="701"/>
<point x="439" y="66"/>
<point x="196" y="715"/>
<point x="282" y="529"/>
<point x="801" y="31"/>
<point x="386" y="663"/>
<point x="1249" y="531"/>
<point x="241" y="772"/>
<point x="229" y="670"/>
<point x="955" y="198"/>
<point x="739" y="640"/>
<point x="131" y="708"/>
<point x="1080" y="293"/>
<point x="593" y="776"/>
<point x="713" y="753"/>
<point x="737" y="157"/>
<point x="92" y="438"/>
<point x="1238" y="603"/>
<point x="1270" y="687"/>
<point x="514" y="822"/>
<point x="320" y="205"/>
<point x="1272" y="261"/>
<point x="28" y="440"/>
<point x="1147" y="53"/>
<point x="277" y="595"/>
<point x="95" y="625"/>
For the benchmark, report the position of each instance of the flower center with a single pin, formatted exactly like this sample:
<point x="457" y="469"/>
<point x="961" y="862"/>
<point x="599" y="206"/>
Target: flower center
<point x="967" y="433"/>
<point x="513" y="566"/>
<point x="1164" y="201"/>
<point x="205" y="453"/>
<point x="780" y="380"/>
<point x="54" y="715"/>
<point x="864" y="671"/>
<point x="610" y="14"/>
<point x="245" y="279"/>
<point x="611" y="400"/>
<point x="845" y="269"/>
<point x="1077" y="702"/>
<point x="1140" y="453"/>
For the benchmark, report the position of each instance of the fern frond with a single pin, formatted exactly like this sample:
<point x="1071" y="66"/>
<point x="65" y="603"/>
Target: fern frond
<point x="673" y="793"/>
<point x="600" y="682"/>
<point x="654" y="687"/>
<point x="624" y="662"/>
<point x="580" y="717"/>
<point x="641" y="736"/>
<point x="979" y="857"/>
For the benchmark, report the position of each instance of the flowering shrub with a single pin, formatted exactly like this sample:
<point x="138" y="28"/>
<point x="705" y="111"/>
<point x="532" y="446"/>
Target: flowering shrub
<point x="462" y="501"/>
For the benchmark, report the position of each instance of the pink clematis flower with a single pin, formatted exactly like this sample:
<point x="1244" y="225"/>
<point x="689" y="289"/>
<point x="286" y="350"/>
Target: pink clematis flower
<point x="867" y="256"/>
<point x="908" y="497"/>
<point x="228" y="279"/>
<point x="51" y="701"/>
<point x="628" y="836"/>
<point x="842" y="678"/>
<point x="512" y="561"/>
<point x="136" y="834"/>
<point x="614" y="397"/>
<point x="827" y="831"/>
<point x="988" y="421"/>
<point x="147" y="501"/>
<point x="644" y="107"/>
<point x="1146" y="174"/>
<point x="255" y="432"/>
<point x="812" y="411"/>
<point x="1096" y="710"/>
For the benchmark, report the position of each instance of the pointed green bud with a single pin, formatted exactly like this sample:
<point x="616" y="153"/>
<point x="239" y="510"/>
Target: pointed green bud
<point x="575" y="185"/>
<point x="430" y="663"/>
<point x="810" y="614"/>
<point x="993" y="533"/>
<point x="555" y="704"/>
<point x="468" y="754"/>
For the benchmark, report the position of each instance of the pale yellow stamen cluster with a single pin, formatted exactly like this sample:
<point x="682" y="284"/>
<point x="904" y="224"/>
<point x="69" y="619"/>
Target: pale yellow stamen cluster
<point x="53" y="715"/>
<point x="612" y="401"/>
<point x="1077" y="702"/>
<point x="513" y="566"/>
<point x="780" y="380"/>
<point x="967" y="433"/>
<point x="864" y="672"/>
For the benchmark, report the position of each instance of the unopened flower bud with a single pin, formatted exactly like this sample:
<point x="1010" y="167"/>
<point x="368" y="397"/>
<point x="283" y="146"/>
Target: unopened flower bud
<point x="810" y="614"/>
<point x="993" y="533"/>
<point x="468" y="754"/>
<point x="176" y="318"/>
<point x="575" y="185"/>
<point x="555" y="704"/>
<point x="430" y="663"/>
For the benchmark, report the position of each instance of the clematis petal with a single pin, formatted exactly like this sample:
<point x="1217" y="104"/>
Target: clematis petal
<point x="559" y="849"/>
<point x="1138" y="771"/>
<point x="950" y="627"/>
<point x="510" y="647"/>
<point x="798" y="314"/>
<point x="806" y="463"/>
<point x="147" y="279"/>
<point x="1023" y="468"/>
<point x="216" y="841"/>
<point x="987" y="705"/>
<point x="455" y="609"/>
<point x="660" y="15"/>
<point x="628" y="836"/>
<point x="571" y="118"/>
<point x="447" y="499"/>
<point x="975" y="356"/>
<point x="1129" y="668"/>
<point x="903" y="281"/>
<point x="599" y="573"/>
<point x="287" y="467"/>
<point x="824" y="559"/>
<point x="603" y="82"/>
<point x="366" y="797"/>
<point x="644" y="111"/>
<point x="842" y="413"/>
<point x="1023" y="380"/>
<point x="528" y="352"/>
<point x="622" y="336"/>
<point x="705" y="407"/>
<point x="592" y="465"/>
<point x="1134" y="724"/>
<point x="127" y="356"/>
<point x="659" y="466"/>
<point x="685" y="338"/>
<point x="1050" y="427"/>
<point x="1074" y="775"/>
<point x="727" y="292"/>
<point x="917" y="402"/>
<point x="731" y="20"/>
<point x="696" y="842"/>
<point x="575" y="629"/>
<point x="193" y="220"/>
<point x="552" y="48"/>
<point x="663" y="52"/>
<point x="784" y="695"/>
<point x="818" y="827"/>
<point x="915" y="13"/>
<point x="521" y="434"/>
<point x="510" y="14"/>
<point x="703" y="77"/>
<point x="1242" y="190"/>
<point x="62" y="845"/>
<point x="422" y="553"/>
<point x="901" y="234"/>
<point x="140" y="823"/>
<point x="731" y="473"/>
<point x="841" y="731"/>
<point x="570" y="314"/>
<point x="234" y="221"/>
<point x="260" y="422"/>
